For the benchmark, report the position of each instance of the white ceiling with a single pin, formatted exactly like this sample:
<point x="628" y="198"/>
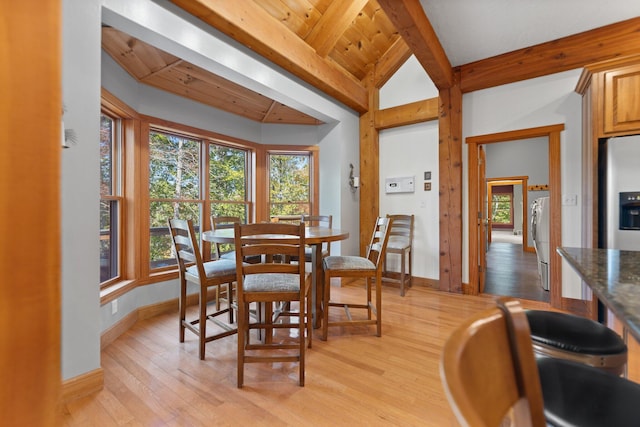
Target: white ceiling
<point x="470" y="30"/>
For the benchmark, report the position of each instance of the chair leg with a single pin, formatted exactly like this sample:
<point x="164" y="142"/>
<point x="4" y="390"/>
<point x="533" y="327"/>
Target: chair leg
<point x="243" y="329"/>
<point x="268" y="320"/>
<point x="378" y="304"/>
<point x="325" y="306"/>
<point x="309" y="316"/>
<point x="402" y="261"/>
<point x="410" y="271"/>
<point x="182" y="303"/>
<point x="230" y="301"/>
<point x="202" y="323"/>
<point x="302" y="330"/>
<point x="369" y="284"/>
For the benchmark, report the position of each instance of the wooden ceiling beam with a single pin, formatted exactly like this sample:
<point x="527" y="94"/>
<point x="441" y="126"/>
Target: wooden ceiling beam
<point x="575" y="51"/>
<point x="333" y="23"/>
<point x="409" y="18"/>
<point x="390" y="62"/>
<point x="407" y="114"/>
<point x="252" y="26"/>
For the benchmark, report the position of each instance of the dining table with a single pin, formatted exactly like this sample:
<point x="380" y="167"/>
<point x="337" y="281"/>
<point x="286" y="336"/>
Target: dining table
<point x="315" y="236"/>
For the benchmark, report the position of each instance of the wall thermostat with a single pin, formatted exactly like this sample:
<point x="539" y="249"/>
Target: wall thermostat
<point x="404" y="184"/>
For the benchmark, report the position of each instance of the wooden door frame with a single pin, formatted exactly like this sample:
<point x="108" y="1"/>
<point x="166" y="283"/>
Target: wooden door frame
<point x="552" y="133"/>
<point x="30" y="168"/>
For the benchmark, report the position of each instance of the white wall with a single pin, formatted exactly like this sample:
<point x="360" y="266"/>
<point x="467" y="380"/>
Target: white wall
<point x="411" y="151"/>
<point x="80" y="188"/>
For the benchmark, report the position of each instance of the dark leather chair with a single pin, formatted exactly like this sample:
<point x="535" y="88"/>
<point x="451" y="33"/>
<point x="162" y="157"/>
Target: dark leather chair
<point x="490" y="375"/>
<point x="566" y="336"/>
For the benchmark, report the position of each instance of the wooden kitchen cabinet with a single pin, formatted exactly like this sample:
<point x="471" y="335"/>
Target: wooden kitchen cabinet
<point x="622" y="99"/>
<point x="612" y="88"/>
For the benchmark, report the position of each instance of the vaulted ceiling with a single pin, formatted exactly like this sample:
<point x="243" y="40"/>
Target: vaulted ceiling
<point x="345" y="47"/>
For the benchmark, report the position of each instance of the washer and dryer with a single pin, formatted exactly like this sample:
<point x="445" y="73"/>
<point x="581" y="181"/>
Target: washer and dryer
<point x="540" y="214"/>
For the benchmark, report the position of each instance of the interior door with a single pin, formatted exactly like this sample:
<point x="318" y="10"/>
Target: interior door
<point x="483" y="221"/>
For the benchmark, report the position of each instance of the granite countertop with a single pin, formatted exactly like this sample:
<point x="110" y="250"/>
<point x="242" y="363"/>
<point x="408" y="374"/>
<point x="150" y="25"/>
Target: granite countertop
<point x="614" y="277"/>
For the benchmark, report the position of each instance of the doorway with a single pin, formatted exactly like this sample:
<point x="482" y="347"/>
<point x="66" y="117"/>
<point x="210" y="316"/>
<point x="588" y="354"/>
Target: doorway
<point x="511" y="264"/>
<point x="477" y="196"/>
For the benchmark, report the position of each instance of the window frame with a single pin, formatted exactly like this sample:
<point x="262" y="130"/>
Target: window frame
<point x="199" y="200"/>
<point x="206" y="139"/>
<point x="116" y="194"/>
<point x="314" y="160"/>
<point x="129" y="156"/>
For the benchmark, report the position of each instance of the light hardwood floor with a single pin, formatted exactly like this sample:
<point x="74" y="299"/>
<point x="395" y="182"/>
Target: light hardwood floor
<point x="354" y="378"/>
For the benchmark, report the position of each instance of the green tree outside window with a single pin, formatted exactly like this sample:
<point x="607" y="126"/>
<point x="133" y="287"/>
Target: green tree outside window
<point x="501" y="209"/>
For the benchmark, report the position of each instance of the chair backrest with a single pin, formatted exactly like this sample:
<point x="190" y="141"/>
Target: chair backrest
<point x="320" y="221"/>
<point x="291" y="219"/>
<point x="402" y="229"/>
<point x="269" y="240"/>
<point x="185" y="244"/>
<point x="377" y="246"/>
<point x="489" y="371"/>
<point x="219" y="223"/>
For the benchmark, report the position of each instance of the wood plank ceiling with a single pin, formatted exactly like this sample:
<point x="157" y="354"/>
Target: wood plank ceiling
<point x="154" y="67"/>
<point x="332" y="45"/>
<point x="344" y="48"/>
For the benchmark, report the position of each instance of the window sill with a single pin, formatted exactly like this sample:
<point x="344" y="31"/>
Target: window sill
<point x="116" y="290"/>
<point x="111" y="292"/>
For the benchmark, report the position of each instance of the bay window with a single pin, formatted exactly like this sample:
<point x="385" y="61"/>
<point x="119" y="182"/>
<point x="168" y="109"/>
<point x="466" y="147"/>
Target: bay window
<point x="152" y="170"/>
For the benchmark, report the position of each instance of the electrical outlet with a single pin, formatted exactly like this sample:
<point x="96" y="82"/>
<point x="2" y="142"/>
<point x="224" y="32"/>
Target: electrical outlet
<point x="114" y="306"/>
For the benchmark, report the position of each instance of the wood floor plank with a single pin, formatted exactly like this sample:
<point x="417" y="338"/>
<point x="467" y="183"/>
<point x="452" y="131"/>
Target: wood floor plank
<point x="354" y="378"/>
<point x="514" y="272"/>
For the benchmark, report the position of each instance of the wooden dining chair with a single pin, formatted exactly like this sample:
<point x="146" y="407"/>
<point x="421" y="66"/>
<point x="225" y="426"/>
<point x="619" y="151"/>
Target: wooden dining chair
<point x="401" y="243"/>
<point x="268" y="283"/>
<point x="289" y="219"/>
<point x="227" y="250"/>
<point x="224" y="251"/>
<point x="490" y="374"/>
<point x="285" y="219"/>
<point x="215" y="274"/>
<point x="368" y="267"/>
<point x="317" y="221"/>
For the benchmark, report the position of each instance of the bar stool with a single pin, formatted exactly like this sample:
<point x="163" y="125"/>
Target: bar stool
<point x="570" y="337"/>
<point x="400" y="243"/>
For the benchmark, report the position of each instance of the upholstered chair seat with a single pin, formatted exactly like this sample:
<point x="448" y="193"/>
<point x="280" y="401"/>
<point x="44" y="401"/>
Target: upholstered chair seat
<point x="576" y="338"/>
<point x="576" y="396"/>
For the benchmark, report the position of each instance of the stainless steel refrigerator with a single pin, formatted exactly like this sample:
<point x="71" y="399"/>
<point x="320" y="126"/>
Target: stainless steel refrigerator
<point x="623" y="193"/>
<point x="540" y="214"/>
